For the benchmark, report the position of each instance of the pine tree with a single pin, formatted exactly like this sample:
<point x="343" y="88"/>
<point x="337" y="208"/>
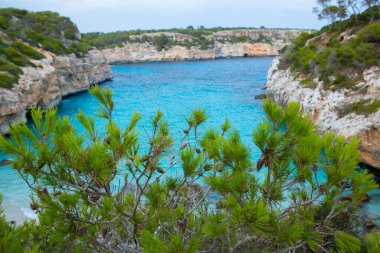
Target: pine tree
<point x="102" y="191"/>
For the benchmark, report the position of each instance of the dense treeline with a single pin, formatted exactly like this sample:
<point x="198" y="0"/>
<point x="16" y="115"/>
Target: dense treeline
<point x="105" y="191"/>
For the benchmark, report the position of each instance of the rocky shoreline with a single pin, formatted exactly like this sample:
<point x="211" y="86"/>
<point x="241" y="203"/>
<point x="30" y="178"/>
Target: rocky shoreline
<point x="325" y="107"/>
<point x="223" y="45"/>
<point x="45" y="85"/>
<point x="144" y="52"/>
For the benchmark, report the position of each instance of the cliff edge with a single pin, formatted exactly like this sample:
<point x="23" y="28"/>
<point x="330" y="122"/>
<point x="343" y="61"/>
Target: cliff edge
<point x="189" y="44"/>
<point x="46" y="85"/>
<point x="42" y="59"/>
<point x="335" y="75"/>
<point x="326" y="107"/>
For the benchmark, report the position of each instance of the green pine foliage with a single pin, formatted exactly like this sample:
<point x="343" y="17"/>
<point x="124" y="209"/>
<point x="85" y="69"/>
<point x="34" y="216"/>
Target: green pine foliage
<point x="16" y="238"/>
<point x="104" y="191"/>
<point x="328" y="57"/>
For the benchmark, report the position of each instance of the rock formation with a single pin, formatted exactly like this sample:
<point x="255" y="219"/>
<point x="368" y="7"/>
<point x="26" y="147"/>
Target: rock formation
<point x="326" y="106"/>
<point x="53" y="78"/>
<point x="137" y="52"/>
<point x="259" y="42"/>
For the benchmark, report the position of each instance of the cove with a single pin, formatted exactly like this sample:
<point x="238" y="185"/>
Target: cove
<point x="224" y="88"/>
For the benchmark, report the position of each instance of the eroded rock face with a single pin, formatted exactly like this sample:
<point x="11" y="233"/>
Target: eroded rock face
<point x="325" y="107"/>
<point x="53" y="78"/>
<point x="146" y="52"/>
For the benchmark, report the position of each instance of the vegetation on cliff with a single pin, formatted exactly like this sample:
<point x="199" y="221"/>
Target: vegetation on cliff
<point x="104" y="191"/>
<point x="339" y="53"/>
<point x="21" y="30"/>
<point x="201" y="38"/>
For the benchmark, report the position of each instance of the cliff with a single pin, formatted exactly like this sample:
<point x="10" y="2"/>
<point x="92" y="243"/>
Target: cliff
<point x="46" y="85"/>
<point x="328" y="108"/>
<point x="42" y="59"/>
<point x="335" y="75"/>
<point x="193" y="45"/>
<point x="137" y="52"/>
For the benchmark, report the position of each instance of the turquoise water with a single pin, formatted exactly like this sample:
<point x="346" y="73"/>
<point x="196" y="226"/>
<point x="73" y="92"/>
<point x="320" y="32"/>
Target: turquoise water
<point x="225" y="88"/>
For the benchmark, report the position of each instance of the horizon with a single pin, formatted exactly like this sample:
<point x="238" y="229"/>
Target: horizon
<point x="118" y="15"/>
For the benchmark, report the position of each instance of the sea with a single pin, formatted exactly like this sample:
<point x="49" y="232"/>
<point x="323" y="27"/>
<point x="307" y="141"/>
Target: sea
<point x="225" y="88"/>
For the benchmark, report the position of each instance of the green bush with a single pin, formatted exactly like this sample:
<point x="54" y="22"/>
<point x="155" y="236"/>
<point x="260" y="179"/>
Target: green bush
<point x="325" y="54"/>
<point x="9" y="67"/>
<point x="45" y="29"/>
<point x="34" y="37"/>
<point x="203" y="43"/>
<point x="370" y="33"/>
<point x="364" y="107"/>
<point x="99" y="191"/>
<point x="161" y="42"/>
<point x="345" y="55"/>
<point x="17" y="58"/>
<point x="79" y="48"/>
<point x="70" y="33"/>
<point x="27" y="50"/>
<point x="239" y="40"/>
<point x="7" y="81"/>
<point x="54" y="46"/>
<point x="4" y="22"/>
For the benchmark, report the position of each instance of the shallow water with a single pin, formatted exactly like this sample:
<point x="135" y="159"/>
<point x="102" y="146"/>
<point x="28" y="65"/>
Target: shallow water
<point x="225" y="88"/>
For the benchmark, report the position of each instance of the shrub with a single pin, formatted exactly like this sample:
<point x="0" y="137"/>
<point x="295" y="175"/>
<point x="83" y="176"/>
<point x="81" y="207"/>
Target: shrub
<point x="239" y="39"/>
<point x="34" y="37"/>
<point x="70" y="33"/>
<point x="79" y="48"/>
<point x="45" y="29"/>
<point x="362" y="107"/>
<point x="7" y="81"/>
<point x="345" y="55"/>
<point x="160" y="42"/>
<point x="27" y="50"/>
<point x="203" y="43"/>
<point x="4" y="22"/>
<point x="54" y="46"/>
<point x="99" y="191"/>
<point x="370" y="33"/>
<point x="9" y="67"/>
<point x="328" y="55"/>
<point x="17" y="58"/>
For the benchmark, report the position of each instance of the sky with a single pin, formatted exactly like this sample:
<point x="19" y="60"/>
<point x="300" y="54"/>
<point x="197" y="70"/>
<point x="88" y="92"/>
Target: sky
<point x="120" y="15"/>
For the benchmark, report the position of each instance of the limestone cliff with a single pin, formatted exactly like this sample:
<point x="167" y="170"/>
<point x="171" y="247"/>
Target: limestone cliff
<point x="327" y="107"/>
<point x="138" y="52"/>
<point x="221" y="44"/>
<point x="45" y="85"/>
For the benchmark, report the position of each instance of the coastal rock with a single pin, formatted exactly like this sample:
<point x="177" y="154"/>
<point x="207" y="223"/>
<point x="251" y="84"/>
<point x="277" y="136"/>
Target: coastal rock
<point x="325" y="107"/>
<point x="53" y="78"/>
<point x="144" y="52"/>
<point x="261" y="96"/>
<point x="222" y="48"/>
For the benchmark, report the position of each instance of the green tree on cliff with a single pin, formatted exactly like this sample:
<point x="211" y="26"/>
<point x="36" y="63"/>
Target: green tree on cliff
<point x="103" y="191"/>
<point x="160" y="42"/>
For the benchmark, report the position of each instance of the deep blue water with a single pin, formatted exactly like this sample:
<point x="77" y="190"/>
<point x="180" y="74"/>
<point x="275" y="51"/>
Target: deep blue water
<point x="225" y="88"/>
